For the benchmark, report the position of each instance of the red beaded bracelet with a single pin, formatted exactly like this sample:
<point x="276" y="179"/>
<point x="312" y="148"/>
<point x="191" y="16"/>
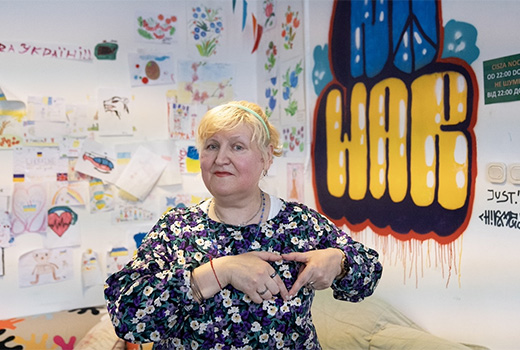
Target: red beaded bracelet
<point x="214" y="272"/>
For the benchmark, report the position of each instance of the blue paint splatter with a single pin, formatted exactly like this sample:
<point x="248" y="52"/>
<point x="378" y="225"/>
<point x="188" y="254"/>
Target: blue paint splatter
<point x="321" y="74"/>
<point x="460" y="40"/>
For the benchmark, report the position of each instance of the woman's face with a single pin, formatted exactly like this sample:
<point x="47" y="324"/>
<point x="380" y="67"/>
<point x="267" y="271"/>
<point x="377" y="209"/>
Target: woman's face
<point x="230" y="163"/>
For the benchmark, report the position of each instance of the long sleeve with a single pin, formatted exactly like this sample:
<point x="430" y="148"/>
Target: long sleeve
<point x="364" y="269"/>
<point x="150" y="296"/>
<point x="150" y="299"/>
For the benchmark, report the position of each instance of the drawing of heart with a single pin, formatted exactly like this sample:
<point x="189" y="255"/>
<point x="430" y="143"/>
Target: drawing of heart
<point x="59" y="223"/>
<point x="28" y="209"/>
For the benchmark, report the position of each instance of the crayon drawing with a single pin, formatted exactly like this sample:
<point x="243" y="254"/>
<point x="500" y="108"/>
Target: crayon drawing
<point x="29" y="208"/>
<point x="44" y="266"/>
<point x="204" y="83"/>
<point x="63" y="230"/>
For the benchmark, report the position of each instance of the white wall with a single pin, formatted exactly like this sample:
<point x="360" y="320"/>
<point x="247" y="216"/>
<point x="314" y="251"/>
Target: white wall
<point x="88" y="23"/>
<point x="480" y="303"/>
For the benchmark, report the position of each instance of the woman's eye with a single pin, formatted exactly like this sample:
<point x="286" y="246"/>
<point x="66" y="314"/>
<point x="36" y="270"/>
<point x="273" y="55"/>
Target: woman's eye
<point x="238" y="147"/>
<point x="211" y="147"/>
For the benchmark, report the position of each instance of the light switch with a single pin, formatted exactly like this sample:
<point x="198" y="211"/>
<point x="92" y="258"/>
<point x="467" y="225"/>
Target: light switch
<point x="514" y="174"/>
<point x="496" y="173"/>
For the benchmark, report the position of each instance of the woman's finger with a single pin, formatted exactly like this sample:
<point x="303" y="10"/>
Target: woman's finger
<point x="296" y="256"/>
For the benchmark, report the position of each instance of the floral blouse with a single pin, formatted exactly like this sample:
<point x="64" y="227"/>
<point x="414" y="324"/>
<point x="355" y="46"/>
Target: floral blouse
<point x="151" y="300"/>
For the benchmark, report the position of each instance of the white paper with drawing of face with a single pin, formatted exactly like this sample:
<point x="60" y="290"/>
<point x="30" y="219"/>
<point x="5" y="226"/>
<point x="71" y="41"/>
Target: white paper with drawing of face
<point x="6" y="238"/>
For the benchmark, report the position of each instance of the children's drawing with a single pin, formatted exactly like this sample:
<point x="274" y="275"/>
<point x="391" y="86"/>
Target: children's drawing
<point x="171" y="174"/>
<point x="182" y="200"/>
<point x="60" y="219"/>
<point x="46" y="108"/>
<point x="204" y="83"/>
<point x="116" y="259"/>
<point x="6" y="237"/>
<point x="39" y="163"/>
<point x="74" y="175"/>
<point x="188" y="157"/>
<point x="128" y="211"/>
<point x="292" y="89"/>
<point x="293" y="138"/>
<point x="151" y="69"/>
<point x="290" y="29"/>
<point x="43" y="266"/>
<point x="117" y="106"/>
<point x="271" y="54"/>
<point x="106" y="50"/>
<point x="206" y="27"/>
<point x="11" y="117"/>
<point x="271" y="98"/>
<point x="269" y="13"/>
<point x="180" y="121"/>
<point x="69" y="193"/>
<point x="63" y="230"/>
<point x="101" y="196"/>
<point x="183" y="119"/>
<point x="156" y="27"/>
<point x="98" y="160"/>
<point x="91" y="274"/>
<point x="29" y="208"/>
<point x="114" y="112"/>
<point x="295" y="176"/>
<point x="78" y="119"/>
<point x="44" y="133"/>
<point x="141" y="173"/>
<point x="70" y="147"/>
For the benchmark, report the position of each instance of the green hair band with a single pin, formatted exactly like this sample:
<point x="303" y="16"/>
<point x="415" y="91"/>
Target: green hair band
<point x="255" y="114"/>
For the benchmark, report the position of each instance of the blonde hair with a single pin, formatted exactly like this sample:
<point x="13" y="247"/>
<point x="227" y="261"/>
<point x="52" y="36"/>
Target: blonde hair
<point x="228" y="116"/>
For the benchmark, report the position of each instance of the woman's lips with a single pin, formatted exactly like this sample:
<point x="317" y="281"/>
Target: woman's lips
<point x="222" y="173"/>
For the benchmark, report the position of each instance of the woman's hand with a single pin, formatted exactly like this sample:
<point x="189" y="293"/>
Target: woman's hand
<point x="252" y="274"/>
<point x="319" y="268"/>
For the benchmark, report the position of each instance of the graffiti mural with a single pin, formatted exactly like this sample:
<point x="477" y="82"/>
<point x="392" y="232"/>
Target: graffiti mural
<point x="393" y="147"/>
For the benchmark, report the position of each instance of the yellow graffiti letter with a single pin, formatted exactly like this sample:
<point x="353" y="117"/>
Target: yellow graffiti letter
<point x="356" y="148"/>
<point x="439" y="158"/>
<point x="388" y="131"/>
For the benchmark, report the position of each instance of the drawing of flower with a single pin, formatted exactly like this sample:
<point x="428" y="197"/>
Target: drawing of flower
<point x="289" y="28"/>
<point x="271" y="54"/>
<point x="207" y="28"/>
<point x="157" y="28"/>
<point x="270" y="94"/>
<point x="293" y="139"/>
<point x="269" y="13"/>
<point x="290" y="83"/>
<point x="202" y="96"/>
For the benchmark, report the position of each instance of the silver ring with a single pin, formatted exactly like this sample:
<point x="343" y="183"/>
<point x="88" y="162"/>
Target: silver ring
<point x="311" y="285"/>
<point x="273" y="275"/>
<point x="263" y="292"/>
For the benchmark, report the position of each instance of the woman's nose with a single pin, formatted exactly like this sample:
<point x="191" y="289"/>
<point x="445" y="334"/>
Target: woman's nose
<point x="222" y="156"/>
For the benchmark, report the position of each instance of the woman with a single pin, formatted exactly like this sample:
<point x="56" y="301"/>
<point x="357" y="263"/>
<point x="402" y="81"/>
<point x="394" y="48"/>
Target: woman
<point x="237" y="271"/>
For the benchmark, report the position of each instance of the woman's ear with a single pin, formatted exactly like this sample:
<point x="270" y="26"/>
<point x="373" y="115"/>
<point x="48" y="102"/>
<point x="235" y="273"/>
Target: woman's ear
<point x="269" y="160"/>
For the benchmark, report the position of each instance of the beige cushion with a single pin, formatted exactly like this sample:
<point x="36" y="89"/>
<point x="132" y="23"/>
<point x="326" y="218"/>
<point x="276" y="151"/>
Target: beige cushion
<point x="339" y="322"/>
<point x="394" y="337"/>
<point x="371" y="324"/>
<point x="101" y="337"/>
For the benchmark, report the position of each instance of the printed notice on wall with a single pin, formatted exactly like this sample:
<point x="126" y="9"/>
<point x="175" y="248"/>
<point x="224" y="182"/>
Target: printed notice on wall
<point x="502" y="79"/>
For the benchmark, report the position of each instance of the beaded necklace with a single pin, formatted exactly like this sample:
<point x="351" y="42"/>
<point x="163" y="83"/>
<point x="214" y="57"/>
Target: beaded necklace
<point x="262" y="206"/>
<point x="259" y="222"/>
